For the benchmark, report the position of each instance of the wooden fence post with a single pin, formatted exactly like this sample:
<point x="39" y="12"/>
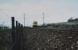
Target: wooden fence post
<point x="21" y="37"/>
<point x="13" y="33"/>
<point x="17" y="36"/>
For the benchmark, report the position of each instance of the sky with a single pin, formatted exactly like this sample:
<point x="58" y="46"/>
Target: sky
<point x="54" y="11"/>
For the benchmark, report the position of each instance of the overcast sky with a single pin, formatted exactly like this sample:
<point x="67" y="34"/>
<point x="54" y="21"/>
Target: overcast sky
<point x="54" y="10"/>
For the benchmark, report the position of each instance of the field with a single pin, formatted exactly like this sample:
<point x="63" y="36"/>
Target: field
<point x="42" y="39"/>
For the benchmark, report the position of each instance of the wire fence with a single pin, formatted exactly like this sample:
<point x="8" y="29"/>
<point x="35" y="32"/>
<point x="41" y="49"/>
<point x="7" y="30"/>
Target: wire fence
<point x="39" y="38"/>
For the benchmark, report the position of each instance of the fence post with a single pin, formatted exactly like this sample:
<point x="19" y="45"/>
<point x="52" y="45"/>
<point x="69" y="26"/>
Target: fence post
<point x="13" y="33"/>
<point x="22" y="46"/>
<point x="17" y="36"/>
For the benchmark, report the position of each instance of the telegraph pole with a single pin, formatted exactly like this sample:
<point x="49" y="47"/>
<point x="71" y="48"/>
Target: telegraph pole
<point x="43" y="18"/>
<point x="24" y="19"/>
